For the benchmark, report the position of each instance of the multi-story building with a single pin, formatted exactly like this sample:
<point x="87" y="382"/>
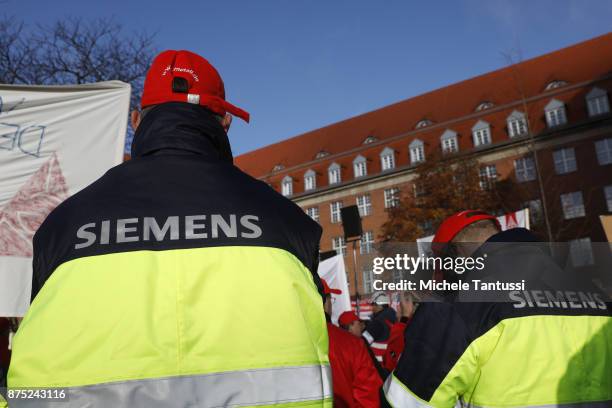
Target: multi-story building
<point x="556" y="106"/>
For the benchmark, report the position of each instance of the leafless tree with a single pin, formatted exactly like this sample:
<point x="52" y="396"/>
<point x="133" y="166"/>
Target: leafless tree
<point x="74" y="51"/>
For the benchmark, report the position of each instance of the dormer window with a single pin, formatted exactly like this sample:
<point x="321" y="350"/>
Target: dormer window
<point x="287" y="186"/>
<point x="278" y="167"/>
<point x="484" y="105"/>
<point x="417" y="151"/>
<point x="448" y="141"/>
<point x="555" y="84"/>
<point x="423" y="123"/>
<point x="333" y="173"/>
<point x="321" y="154"/>
<point x="481" y="133"/>
<point x="555" y="113"/>
<point x="387" y="159"/>
<point x="597" y="102"/>
<point x="517" y="124"/>
<point x="370" y="139"/>
<point x="310" y="180"/>
<point x="360" y="166"/>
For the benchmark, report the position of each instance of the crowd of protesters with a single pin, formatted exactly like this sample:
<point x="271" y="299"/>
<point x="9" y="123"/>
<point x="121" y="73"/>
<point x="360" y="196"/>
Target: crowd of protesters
<point x="124" y="320"/>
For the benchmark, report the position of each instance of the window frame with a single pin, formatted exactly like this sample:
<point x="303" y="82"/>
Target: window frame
<point x="366" y="246"/>
<point x="387" y="159"/>
<point x="360" y="167"/>
<point x="417" y="151"/>
<point x="316" y="215"/>
<point x="574" y="209"/>
<point x="334" y="175"/>
<point x="335" y="216"/>
<point x="394" y="200"/>
<point x="563" y="162"/>
<point x="287" y="182"/>
<point x="526" y="171"/>
<point x="367" y="204"/>
<point x="603" y="151"/>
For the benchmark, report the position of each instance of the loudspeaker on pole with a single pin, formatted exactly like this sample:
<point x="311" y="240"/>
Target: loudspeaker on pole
<point x="351" y="223"/>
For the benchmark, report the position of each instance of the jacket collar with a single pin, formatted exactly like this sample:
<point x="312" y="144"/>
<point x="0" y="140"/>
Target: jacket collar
<point x="181" y="128"/>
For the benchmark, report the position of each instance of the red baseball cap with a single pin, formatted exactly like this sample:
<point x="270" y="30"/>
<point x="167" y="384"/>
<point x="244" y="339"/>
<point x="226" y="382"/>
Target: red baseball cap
<point x="451" y="226"/>
<point x="347" y="318"/>
<point x="199" y="83"/>
<point x="327" y="290"/>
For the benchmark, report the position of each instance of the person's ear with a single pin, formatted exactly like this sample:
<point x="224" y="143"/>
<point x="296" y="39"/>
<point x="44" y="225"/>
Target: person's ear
<point x="226" y="122"/>
<point x="135" y="118"/>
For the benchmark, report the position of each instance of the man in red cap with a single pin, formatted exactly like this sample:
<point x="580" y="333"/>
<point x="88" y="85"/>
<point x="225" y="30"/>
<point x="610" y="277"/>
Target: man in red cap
<point x="356" y="382"/>
<point x="351" y="323"/>
<point x="532" y="347"/>
<point x="141" y="280"/>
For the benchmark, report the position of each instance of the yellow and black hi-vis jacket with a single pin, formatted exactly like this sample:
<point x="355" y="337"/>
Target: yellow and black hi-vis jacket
<point x="176" y="280"/>
<point x="540" y="348"/>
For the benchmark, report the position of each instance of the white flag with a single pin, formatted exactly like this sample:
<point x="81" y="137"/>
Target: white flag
<point x="332" y="270"/>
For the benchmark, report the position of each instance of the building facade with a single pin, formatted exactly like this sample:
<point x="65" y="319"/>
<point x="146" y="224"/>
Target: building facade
<point x="541" y="122"/>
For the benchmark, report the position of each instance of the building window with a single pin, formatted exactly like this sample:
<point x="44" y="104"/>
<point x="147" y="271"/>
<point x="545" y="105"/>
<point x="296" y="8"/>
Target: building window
<point x="555" y="84"/>
<point x="278" y="167"/>
<point x="565" y="160"/>
<point x="555" y="113"/>
<point x="603" y="149"/>
<point x="597" y="102"/>
<point x="481" y="133"/>
<point x="608" y="195"/>
<point x="423" y="123"/>
<point x="581" y="252"/>
<point x="333" y="173"/>
<point x="524" y="169"/>
<point x="572" y="205"/>
<point x="310" y="180"/>
<point x="339" y="245"/>
<point x="287" y="186"/>
<point x="488" y="176"/>
<point x="367" y="280"/>
<point x="448" y="140"/>
<point x="335" y="211"/>
<point x="418" y="190"/>
<point x="313" y="212"/>
<point x="387" y="159"/>
<point x="366" y="243"/>
<point x="392" y="197"/>
<point x="370" y="139"/>
<point x="364" y="204"/>
<point x="360" y="167"/>
<point x="321" y="153"/>
<point x="484" y="105"/>
<point x="517" y="124"/>
<point x="417" y="151"/>
<point x="535" y="211"/>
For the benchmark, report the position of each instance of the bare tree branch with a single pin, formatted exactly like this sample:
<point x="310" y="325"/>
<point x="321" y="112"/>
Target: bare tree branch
<point x="74" y="51"/>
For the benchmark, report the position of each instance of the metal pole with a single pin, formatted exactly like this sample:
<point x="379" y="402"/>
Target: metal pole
<point x="355" y="271"/>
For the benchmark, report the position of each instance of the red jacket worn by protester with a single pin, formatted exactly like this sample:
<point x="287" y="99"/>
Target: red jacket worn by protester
<point x="395" y="346"/>
<point x="355" y="380"/>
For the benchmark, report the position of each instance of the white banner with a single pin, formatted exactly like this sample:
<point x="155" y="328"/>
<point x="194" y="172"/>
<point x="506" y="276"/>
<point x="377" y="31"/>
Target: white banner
<point x="54" y="141"/>
<point x="518" y="219"/>
<point x="332" y="270"/>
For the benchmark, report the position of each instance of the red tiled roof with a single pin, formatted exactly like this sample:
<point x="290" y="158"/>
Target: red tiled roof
<point x="582" y="62"/>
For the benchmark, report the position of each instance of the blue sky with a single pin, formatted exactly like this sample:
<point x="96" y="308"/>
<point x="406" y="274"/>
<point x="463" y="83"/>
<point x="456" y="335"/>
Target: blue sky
<point x="299" y="65"/>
